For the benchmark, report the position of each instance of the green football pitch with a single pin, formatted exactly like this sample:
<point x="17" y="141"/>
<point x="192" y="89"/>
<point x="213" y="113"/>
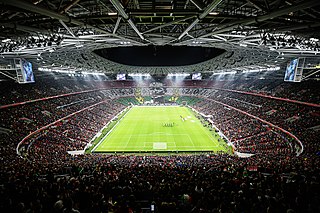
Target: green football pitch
<point x="159" y="129"/>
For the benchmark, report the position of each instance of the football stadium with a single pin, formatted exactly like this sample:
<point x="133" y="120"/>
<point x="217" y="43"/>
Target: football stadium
<point x="162" y="106"/>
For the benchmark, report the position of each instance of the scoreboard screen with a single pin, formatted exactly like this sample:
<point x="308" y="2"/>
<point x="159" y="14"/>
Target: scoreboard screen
<point x="24" y="71"/>
<point x="294" y="70"/>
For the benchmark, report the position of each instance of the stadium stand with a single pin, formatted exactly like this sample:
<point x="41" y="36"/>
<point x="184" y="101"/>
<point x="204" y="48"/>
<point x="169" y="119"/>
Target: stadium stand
<point x="47" y="179"/>
<point x="246" y="71"/>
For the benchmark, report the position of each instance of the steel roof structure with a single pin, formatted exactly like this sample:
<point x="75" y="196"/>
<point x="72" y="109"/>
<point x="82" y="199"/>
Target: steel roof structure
<point x="62" y="34"/>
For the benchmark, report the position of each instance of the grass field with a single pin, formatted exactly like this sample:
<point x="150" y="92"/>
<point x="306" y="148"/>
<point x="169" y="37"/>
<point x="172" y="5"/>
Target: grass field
<point x="159" y="129"/>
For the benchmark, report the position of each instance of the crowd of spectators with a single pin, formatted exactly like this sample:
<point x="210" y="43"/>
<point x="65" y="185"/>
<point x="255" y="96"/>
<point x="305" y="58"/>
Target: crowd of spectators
<point x="53" y="85"/>
<point x="245" y="133"/>
<point x="50" y="86"/>
<point x="265" y="143"/>
<point x="307" y="91"/>
<point x="49" y="180"/>
<point x="187" y="183"/>
<point x="295" y="118"/>
<point x="74" y="133"/>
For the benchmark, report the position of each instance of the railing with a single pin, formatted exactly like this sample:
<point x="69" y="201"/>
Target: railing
<point x="266" y="122"/>
<point x="108" y="88"/>
<point x="23" y="141"/>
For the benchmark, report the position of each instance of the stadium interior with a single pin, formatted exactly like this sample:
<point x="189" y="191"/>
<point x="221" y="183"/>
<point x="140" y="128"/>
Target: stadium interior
<point x="245" y="72"/>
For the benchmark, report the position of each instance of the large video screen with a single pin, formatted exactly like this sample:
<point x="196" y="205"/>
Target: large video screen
<point x="121" y="76"/>
<point x="24" y="71"/>
<point x="196" y="76"/>
<point x="291" y="70"/>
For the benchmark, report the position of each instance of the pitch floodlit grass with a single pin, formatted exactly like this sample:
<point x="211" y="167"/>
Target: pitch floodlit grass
<point x="143" y="129"/>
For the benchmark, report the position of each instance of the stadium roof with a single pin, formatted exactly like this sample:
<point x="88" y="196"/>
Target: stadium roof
<point x="62" y="34"/>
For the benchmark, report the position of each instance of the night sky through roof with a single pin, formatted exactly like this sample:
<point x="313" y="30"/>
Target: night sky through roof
<point x="159" y="55"/>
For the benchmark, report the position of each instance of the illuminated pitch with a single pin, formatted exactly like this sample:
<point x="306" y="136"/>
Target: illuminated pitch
<point x="160" y="129"/>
